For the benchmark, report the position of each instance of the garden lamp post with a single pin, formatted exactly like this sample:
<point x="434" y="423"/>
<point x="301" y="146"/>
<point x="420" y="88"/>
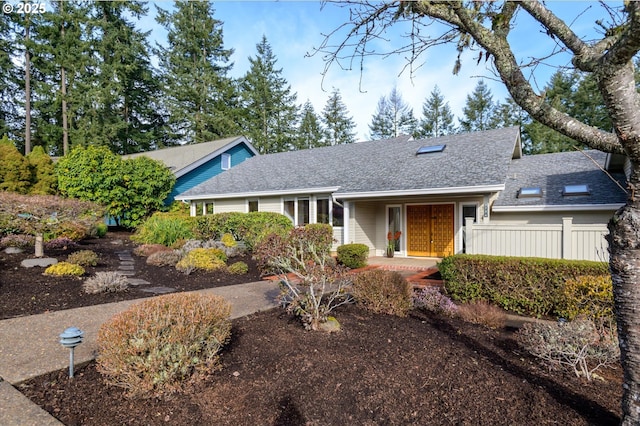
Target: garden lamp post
<point x="70" y="338"/>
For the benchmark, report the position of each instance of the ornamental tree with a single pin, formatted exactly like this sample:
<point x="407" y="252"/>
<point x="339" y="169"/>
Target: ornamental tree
<point x="606" y="54"/>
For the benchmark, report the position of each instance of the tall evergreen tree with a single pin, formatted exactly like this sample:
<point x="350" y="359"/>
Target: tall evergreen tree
<point x="270" y="109"/>
<point x="200" y="96"/>
<point x="478" y="110"/>
<point x="310" y="133"/>
<point x="507" y="114"/>
<point x="9" y="89"/>
<point x="339" y="127"/>
<point x="393" y="117"/>
<point x="437" y="118"/>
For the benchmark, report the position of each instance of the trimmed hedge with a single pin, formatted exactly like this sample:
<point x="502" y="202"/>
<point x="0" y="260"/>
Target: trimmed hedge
<point x="248" y="227"/>
<point x="353" y="256"/>
<point x="530" y="286"/>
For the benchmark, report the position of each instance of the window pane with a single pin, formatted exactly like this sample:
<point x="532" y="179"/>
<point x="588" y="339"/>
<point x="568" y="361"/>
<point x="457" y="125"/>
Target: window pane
<point x="225" y="159"/>
<point x="253" y="205"/>
<point x="338" y="214"/>
<point x="469" y="211"/>
<point x="395" y="226"/>
<point x="322" y="213"/>
<point x="289" y="209"/>
<point x="303" y="212"/>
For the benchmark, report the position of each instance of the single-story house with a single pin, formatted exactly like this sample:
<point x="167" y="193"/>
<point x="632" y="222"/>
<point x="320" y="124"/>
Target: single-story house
<point x="473" y="193"/>
<point x="195" y="163"/>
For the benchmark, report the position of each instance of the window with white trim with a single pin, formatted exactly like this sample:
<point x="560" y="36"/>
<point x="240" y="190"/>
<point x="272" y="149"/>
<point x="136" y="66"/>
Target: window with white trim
<point x="253" y="206"/>
<point x="225" y="161"/>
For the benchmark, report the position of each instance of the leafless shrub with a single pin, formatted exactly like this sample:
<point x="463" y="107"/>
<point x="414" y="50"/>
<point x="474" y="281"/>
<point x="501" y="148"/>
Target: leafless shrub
<point x="484" y="313"/>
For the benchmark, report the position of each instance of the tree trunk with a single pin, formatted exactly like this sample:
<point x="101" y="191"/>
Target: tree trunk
<point x="65" y="121"/>
<point x="624" y="248"/>
<point x="27" y="90"/>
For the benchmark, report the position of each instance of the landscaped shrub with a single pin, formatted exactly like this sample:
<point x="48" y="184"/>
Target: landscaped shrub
<point x="311" y="283"/>
<point x="64" y="268"/>
<point x="576" y="344"/>
<point x="238" y="268"/>
<point x="105" y="282"/>
<point x="431" y="299"/>
<point x="83" y="258"/>
<point x="588" y="296"/>
<point x="201" y="259"/>
<point x="17" y="240"/>
<point x="248" y="227"/>
<point x="146" y="250"/>
<point x="164" y="258"/>
<point x="99" y="230"/>
<point x="353" y="256"/>
<point x="72" y="230"/>
<point x="529" y="286"/>
<point x="228" y="240"/>
<point x="164" y="228"/>
<point x="60" y="243"/>
<point x="483" y="313"/>
<point x="383" y="292"/>
<point x="156" y="346"/>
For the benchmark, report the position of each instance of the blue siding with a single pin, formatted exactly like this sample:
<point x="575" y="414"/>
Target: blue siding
<point x="211" y="168"/>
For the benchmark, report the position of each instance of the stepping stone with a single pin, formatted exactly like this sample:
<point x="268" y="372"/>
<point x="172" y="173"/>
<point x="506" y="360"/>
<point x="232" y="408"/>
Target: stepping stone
<point x="137" y="281"/>
<point x="159" y="290"/>
<point x="126" y="267"/>
<point x="13" y="250"/>
<point x="42" y="262"/>
<point x="127" y="273"/>
<point x="127" y="263"/>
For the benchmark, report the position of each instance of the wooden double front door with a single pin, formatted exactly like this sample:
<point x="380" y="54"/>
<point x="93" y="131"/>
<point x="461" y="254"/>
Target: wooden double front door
<point x="430" y="230"/>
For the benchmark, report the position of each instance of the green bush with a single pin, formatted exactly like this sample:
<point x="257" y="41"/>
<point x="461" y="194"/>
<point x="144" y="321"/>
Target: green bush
<point x="83" y="258"/>
<point x="228" y="240"/>
<point x="383" y="292"/>
<point x="15" y="173"/>
<point x="64" y="269"/>
<point x="206" y="259"/>
<point x="587" y="296"/>
<point x="45" y="181"/>
<point x="105" y="282"/>
<point x="165" y="229"/>
<point x="238" y="268"/>
<point x="529" y="286"/>
<point x="248" y="227"/>
<point x="353" y="256"/>
<point x="155" y="346"/>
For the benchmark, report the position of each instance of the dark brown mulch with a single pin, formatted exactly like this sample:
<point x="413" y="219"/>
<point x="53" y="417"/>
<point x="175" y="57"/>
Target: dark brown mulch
<point x="26" y="291"/>
<point x="379" y="370"/>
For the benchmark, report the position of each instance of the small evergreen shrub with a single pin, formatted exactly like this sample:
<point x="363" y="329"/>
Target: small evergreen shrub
<point x="483" y="313"/>
<point x="201" y="259"/>
<point x="577" y="344"/>
<point x="238" y="268"/>
<point x="228" y="240"/>
<point x="165" y="229"/>
<point x="71" y="229"/>
<point x="99" y="230"/>
<point x="105" y="282"/>
<point x="146" y="250"/>
<point x="431" y="299"/>
<point x="17" y="240"/>
<point x="383" y="292"/>
<point x="61" y="243"/>
<point x="353" y="256"/>
<point x="64" y="269"/>
<point x="588" y="296"/>
<point x="83" y="258"/>
<point x="156" y="346"/>
<point x="164" y="258"/>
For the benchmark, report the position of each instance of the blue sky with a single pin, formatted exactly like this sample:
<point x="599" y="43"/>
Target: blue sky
<point x="295" y="28"/>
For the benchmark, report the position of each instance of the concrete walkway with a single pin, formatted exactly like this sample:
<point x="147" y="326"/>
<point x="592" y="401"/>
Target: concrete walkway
<point x="29" y="345"/>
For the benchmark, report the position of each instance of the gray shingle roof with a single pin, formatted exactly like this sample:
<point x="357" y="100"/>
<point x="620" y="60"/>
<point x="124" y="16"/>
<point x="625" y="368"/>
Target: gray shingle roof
<point x="469" y="160"/>
<point x="551" y="172"/>
<point x="180" y="158"/>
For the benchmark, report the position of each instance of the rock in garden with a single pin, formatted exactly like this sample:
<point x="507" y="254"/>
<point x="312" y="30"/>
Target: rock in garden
<point x="13" y="250"/>
<point x="41" y="261"/>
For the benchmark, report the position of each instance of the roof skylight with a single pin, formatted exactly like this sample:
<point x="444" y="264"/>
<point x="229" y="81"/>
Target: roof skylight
<point x="530" y="192"/>
<point x="430" y="149"/>
<point x="581" y="189"/>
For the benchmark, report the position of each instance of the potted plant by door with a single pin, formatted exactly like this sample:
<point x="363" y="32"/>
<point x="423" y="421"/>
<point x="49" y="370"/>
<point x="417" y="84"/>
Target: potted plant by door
<point x="392" y="241"/>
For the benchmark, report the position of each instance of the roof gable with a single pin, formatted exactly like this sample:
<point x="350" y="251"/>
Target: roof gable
<point x="185" y="158"/>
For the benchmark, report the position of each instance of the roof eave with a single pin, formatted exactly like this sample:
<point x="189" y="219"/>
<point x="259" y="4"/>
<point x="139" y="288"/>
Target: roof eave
<point x="253" y="194"/>
<point x="424" y="191"/>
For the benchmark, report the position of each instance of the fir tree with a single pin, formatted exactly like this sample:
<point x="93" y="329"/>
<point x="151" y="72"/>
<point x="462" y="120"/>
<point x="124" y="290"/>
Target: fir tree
<point x="393" y="117"/>
<point x="200" y="96"/>
<point x="338" y="125"/>
<point x="478" y="110"/>
<point x="270" y="109"/>
<point x="437" y="118"/>
<point x="310" y="132"/>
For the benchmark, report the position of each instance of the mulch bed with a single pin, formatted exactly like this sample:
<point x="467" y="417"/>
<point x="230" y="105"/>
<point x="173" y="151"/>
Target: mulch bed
<point x="26" y="291"/>
<point x="379" y="370"/>
<point x="423" y="369"/>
